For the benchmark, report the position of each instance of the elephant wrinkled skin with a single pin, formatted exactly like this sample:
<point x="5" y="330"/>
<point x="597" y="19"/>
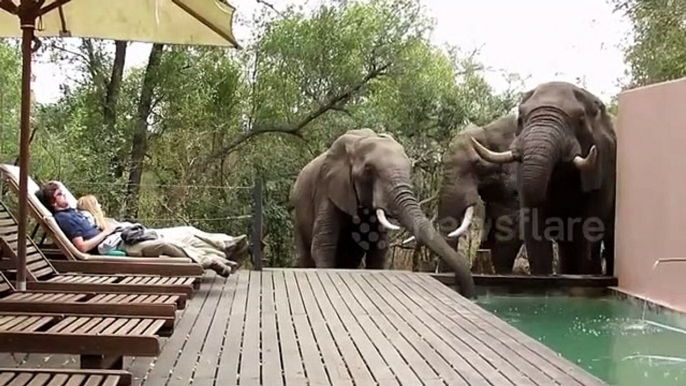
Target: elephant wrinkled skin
<point x="466" y="178"/>
<point x="348" y="192"/>
<point x="565" y="152"/>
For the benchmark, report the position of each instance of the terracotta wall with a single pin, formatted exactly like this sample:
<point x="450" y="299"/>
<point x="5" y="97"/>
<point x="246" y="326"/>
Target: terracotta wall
<point x="651" y="192"/>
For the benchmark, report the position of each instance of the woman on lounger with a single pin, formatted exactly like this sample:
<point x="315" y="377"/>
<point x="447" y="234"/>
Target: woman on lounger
<point x="197" y="244"/>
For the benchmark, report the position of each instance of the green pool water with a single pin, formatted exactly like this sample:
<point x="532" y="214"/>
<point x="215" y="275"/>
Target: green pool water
<point x="618" y="341"/>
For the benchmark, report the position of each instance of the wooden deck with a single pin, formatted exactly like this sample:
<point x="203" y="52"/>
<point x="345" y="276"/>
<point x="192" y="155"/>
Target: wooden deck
<point x="326" y="327"/>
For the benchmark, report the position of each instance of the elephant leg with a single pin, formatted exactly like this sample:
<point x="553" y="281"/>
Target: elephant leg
<point x="575" y="252"/>
<point x="327" y="226"/>
<point x="348" y="254"/>
<point x="504" y="242"/>
<point x="504" y="254"/>
<point x="539" y="250"/>
<point x="303" y="259"/>
<point x="376" y="255"/>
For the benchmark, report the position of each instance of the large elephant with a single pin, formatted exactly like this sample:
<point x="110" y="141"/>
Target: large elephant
<point x="565" y="152"/>
<point x="343" y="198"/>
<point x="466" y="178"/>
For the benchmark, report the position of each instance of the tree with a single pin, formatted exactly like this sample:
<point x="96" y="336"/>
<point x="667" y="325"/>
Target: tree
<point x="658" y="50"/>
<point x="197" y="125"/>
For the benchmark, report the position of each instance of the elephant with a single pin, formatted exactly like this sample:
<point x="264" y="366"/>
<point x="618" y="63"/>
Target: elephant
<point x="342" y="201"/>
<point x="565" y="153"/>
<point x="467" y="177"/>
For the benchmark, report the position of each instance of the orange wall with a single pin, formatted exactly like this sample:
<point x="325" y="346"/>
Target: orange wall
<point x="651" y="192"/>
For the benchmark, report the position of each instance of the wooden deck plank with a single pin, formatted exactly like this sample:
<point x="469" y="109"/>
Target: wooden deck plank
<point x="293" y="370"/>
<point x="387" y="349"/>
<point x="272" y="373"/>
<point x="250" y="356"/>
<point x="421" y="357"/>
<point x="208" y="362"/>
<point x="227" y="373"/>
<point x="335" y="365"/>
<point x="358" y="369"/>
<point x="159" y="371"/>
<point x="452" y="323"/>
<point x="349" y="310"/>
<point x="290" y="327"/>
<point x="312" y="359"/>
<point x="546" y="359"/>
<point x="466" y="361"/>
<point x="190" y="353"/>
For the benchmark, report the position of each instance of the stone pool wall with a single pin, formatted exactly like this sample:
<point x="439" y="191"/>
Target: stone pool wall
<point x="651" y="193"/>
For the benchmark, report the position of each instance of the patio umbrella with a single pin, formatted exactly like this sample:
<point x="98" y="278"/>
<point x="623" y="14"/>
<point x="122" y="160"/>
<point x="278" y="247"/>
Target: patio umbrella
<point x="188" y="22"/>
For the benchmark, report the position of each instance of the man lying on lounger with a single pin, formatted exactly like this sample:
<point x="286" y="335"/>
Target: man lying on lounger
<point x="86" y="237"/>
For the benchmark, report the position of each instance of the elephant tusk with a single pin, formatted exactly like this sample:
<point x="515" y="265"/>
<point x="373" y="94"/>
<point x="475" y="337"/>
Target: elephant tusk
<point x="381" y="215"/>
<point x="468" y="214"/>
<point x="492" y="156"/>
<point x="408" y="240"/>
<point x="589" y="162"/>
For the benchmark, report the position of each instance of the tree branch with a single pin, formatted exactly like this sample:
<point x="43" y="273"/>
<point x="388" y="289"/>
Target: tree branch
<point x="58" y="47"/>
<point x="334" y="103"/>
<point x="268" y="5"/>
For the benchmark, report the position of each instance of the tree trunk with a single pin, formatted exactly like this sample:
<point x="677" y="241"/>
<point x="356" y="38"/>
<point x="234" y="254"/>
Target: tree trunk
<point x="140" y="136"/>
<point x="111" y="97"/>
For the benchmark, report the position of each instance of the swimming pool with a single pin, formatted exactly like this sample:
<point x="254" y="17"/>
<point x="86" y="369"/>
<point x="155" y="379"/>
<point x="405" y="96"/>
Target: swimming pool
<point x="620" y="342"/>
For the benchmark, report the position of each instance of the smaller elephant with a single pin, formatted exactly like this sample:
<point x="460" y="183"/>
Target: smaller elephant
<point x="342" y="201"/>
<point x="467" y="177"/>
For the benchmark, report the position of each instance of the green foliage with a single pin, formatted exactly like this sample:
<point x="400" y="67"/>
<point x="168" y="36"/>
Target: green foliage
<point x="657" y="52"/>
<point x="220" y="119"/>
<point x="10" y="91"/>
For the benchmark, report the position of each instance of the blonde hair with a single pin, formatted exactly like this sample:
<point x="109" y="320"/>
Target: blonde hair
<point x="89" y="204"/>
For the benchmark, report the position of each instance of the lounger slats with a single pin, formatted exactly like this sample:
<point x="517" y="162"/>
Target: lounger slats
<point x="44" y="273"/>
<point x="41" y="271"/>
<point x="37" y="265"/>
<point x="69" y="302"/>
<point x="64" y="377"/>
<point x="6" y="221"/>
<point x="80" y="325"/>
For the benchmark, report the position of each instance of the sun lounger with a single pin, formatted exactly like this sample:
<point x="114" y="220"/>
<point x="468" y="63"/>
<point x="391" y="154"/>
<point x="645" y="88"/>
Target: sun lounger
<point x="124" y="304"/>
<point x="9" y="234"/>
<point x="42" y="275"/>
<point x="88" y="263"/>
<point x="52" y="377"/>
<point x="100" y="340"/>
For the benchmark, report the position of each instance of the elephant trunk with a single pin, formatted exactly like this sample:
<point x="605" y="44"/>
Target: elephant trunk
<point x="540" y="152"/>
<point x="412" y="218"/>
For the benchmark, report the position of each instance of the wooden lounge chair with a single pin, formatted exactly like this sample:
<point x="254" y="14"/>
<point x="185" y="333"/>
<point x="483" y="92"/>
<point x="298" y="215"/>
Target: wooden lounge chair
<point x="78" y="261"/>
<point x="62" y="377"/>
<point x="123" y="304"/>
<point x="100" y="340"/>
<point x="42" y="275"/>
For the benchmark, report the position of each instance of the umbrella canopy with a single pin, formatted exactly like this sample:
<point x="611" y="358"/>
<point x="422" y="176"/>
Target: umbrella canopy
<point x="191" y="22"/>
<point x="187" y="22"/>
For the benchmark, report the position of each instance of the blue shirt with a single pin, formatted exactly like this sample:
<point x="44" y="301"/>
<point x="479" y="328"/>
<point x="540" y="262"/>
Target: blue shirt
<point x="74" y="224"/>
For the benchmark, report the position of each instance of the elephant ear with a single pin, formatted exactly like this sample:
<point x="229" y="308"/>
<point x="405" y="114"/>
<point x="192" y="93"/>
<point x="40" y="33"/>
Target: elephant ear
<point x="337" y="170"/>
<point x="594" y="134"/>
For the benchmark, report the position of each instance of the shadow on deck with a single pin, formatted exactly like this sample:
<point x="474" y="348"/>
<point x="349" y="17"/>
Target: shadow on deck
<point x="338" y="327"/>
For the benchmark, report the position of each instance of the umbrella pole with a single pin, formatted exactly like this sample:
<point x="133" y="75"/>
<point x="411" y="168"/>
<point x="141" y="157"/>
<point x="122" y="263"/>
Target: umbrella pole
<point x="27" y="26"/>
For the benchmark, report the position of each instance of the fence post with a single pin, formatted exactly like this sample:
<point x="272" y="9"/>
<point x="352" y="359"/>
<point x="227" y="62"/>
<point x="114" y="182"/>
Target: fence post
<point x="256" y="238"/>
